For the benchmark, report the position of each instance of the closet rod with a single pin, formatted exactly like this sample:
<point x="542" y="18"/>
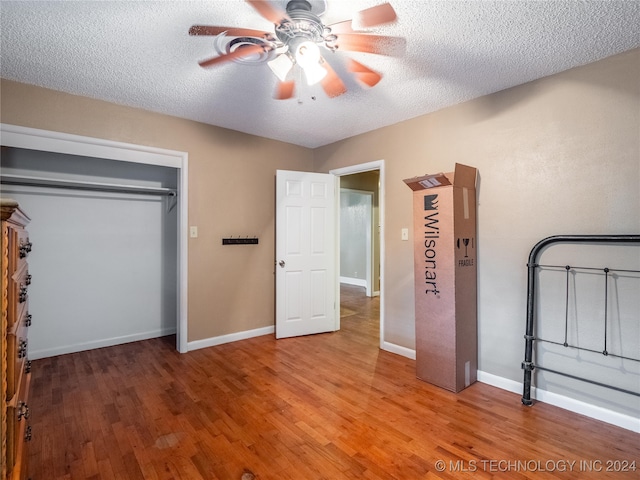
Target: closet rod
<point x="78" y="185"/>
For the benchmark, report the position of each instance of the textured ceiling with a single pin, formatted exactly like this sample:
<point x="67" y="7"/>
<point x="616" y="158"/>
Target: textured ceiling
<point x="138" y="53"/>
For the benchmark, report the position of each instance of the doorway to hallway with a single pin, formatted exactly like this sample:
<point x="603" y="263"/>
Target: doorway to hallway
<point x="359" y="314"/>
<point x="378" y="167"/>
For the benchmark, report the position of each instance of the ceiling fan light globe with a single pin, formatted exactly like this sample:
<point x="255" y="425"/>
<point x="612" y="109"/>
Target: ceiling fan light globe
<point x="308" y="57"/>
<point x="307" y="54"/>
<point x="281" y="66"/>
<point x="314" y="73"/>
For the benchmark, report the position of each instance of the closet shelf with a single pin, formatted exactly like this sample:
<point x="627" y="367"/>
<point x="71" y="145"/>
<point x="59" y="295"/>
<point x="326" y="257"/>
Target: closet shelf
<point x="84" y="185"/>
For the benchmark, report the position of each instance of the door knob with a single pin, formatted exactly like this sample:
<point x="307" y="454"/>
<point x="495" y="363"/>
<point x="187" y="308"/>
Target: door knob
<point x="281" y="263"/>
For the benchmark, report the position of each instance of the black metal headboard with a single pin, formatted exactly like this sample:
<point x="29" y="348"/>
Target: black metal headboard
<point x="528" y="364"/>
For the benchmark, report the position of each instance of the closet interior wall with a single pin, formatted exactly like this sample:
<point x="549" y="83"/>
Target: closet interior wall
<point x="106" y="269"/>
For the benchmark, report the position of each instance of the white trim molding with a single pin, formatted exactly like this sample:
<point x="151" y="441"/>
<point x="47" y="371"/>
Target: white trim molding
<point x="398" y="350"/>
<point x="592" y="411"/>
<point x="358" y="282"/>
<point x="231" y="337"/>
<point x="621" y="420"/>
<point x="106" y="342"/>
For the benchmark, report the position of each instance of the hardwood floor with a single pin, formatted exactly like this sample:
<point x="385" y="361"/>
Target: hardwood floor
<point x="329" y="406"/>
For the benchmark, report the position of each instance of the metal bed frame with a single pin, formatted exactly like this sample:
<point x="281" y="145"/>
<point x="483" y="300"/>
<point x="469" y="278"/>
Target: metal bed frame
<point x="528" y="365"/>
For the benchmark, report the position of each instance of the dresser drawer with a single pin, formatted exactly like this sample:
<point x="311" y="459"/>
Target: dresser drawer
<point x="19" y="247"/>
<point x="17" y="363"/>
<point x="18" y="432"/>
<point x="18" y="294"/>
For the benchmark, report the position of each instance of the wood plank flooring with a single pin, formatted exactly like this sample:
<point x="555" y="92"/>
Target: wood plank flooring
<point x="330" y="406"/>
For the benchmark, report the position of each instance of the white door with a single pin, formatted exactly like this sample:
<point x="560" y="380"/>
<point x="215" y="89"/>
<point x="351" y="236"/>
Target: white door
<point x="306" y="280"/>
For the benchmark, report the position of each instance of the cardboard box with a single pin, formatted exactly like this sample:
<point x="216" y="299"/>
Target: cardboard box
<point x="445" y="261"/>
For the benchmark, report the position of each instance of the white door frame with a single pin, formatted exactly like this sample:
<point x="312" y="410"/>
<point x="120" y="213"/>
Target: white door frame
<point x="49" y="141"/>
<point x="367" y="167"/>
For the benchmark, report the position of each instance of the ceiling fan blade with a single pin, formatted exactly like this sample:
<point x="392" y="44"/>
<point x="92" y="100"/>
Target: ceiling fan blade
<point x="331" y="83"/>
<point x="378" y="15"/>
<point x="369" y="17"/>
<point x="342" y="27"/>
<point x="243" y="51"/>
<point x="363" y="73"/>
<point x="269" y="11"/>
<point x="231" y="31"/>
<point x="378" y="44"/>
<point x="285" y="90"/>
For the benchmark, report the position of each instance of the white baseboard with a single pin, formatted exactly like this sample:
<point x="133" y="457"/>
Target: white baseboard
<point x="232" y="337"/>
<point x="627" y="422"/>
<point x="398" y="350"/>
<point x="500" y="382"/>
<point x="621" y="420"/>
<point x="358" y="282"/>
<point x="106" y="342"/>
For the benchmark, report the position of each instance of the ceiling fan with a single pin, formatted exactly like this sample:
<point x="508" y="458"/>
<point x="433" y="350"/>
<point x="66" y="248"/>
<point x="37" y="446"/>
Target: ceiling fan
<point x="298" y="39"/>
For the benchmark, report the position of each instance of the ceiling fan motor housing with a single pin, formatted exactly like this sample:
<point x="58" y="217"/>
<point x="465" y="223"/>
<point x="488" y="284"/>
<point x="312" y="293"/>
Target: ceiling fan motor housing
<point x="303" y="26"/>
<point x="298" y="5"/>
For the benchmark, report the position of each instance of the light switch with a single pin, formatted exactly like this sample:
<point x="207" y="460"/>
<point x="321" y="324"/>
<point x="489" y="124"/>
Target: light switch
<point x="405" y="234"/>
<point x="193" y="232"/>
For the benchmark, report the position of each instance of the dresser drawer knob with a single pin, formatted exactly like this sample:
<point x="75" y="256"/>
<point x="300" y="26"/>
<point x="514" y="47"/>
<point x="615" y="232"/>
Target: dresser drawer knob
<point x="25" y="248"/>
<point x="27" y="367"/>
<point x="23" y="411"/>
<point x="22" y="349"/>
<point x="27" y="434"/>
<point x="27" y="319"/>
<point x="22" y="296"/>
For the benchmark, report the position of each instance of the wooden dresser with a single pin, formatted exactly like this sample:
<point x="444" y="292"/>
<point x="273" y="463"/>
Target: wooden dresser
<point x="15" y="375"/>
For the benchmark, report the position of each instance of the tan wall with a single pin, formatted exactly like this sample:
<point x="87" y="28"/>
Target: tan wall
<point x="231" y="192"/>
<point x="559" y="155"/>
<point x="556" y="156"/>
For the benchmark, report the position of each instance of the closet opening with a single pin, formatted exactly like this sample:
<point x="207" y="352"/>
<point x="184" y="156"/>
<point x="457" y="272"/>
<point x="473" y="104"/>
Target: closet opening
<point x="108" y="263"/>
